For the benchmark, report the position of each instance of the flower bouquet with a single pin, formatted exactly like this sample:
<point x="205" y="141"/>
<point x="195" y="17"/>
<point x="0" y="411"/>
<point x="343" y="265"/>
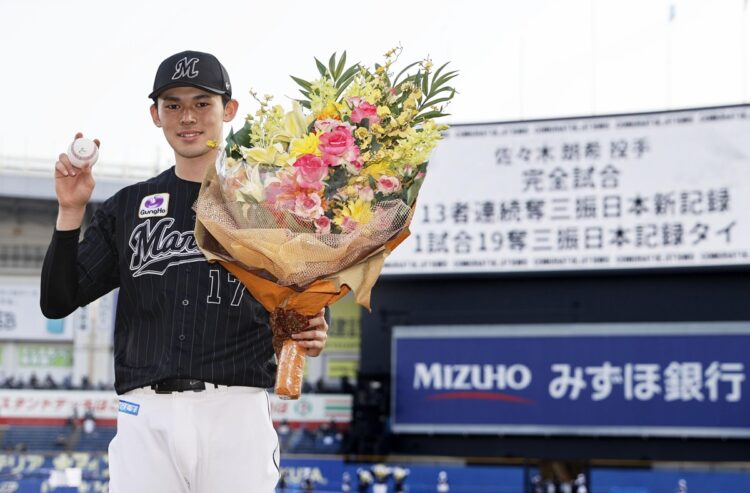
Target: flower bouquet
<point x="304" y="205"/>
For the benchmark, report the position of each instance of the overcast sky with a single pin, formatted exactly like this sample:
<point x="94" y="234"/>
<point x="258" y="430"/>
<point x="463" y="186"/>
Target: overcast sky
<point x="82" y="65"/>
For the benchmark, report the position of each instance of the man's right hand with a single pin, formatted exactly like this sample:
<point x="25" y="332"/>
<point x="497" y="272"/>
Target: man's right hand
<point x="73" y="187"/>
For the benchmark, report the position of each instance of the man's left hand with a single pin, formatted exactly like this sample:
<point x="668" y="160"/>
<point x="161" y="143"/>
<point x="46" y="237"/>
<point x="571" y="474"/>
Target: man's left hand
<point x="314" y="339"/>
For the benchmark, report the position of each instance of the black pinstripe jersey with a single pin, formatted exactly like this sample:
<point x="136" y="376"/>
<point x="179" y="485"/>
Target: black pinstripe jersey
<point x="177" y="315"/>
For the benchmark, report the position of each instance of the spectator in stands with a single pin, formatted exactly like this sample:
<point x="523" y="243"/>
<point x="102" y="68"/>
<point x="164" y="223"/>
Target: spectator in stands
<point x="281" y="486"/>
<point x="580" y="484"/>
<point x="72" y="420"/>
<point x="382" y="473"/>
<point x="364" y="480"/>
<point x="307" y="485"/>
<point x="285" y="433"/>
<point x="322" y="431"/>
<point x="34" y="381"/>
<point x="307" y="387"/>
<point x="67" y="383"/>
<point x="536" y="484"/>
<point x="328" y="439"/>
<point x="89" y="423"/>
<point x="295" y="438"/>
<point x="86" y="383"/>
<point x="320" y="386"/>
<point x="61" y="441"/>
<point x="309" y="433"/>
<point x="346" y="385"/>
<point x="346" y="483"/>
<point x="49" y="382"/>
<point x="399" y="479"/>
<point x="442" y="484"/>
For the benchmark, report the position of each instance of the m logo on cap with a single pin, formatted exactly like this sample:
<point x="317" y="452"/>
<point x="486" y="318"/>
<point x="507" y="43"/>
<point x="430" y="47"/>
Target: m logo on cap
<point x="185" y="68"/>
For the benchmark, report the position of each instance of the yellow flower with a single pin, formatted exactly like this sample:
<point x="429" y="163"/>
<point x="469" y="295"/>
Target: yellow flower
<point x="358" y="210"/>
<point x="212" y="144"/>
<point x="295" y="122"/>
<point x="271" y="155"/>
<point x="403" y="119"/>
<point x="361" y="133"/>
<point x="330" y="110"/>
<point x="306" y="145"/>
<point x="377" y="169"/>
<point x="383" y="111"/>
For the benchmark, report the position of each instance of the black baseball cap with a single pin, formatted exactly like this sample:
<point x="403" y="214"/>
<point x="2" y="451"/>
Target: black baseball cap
<point x="192" y="68"/>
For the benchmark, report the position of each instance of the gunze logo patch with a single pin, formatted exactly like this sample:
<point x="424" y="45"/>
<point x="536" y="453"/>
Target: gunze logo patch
<point x="155" y="205"/>
<point x="129" y="408"/>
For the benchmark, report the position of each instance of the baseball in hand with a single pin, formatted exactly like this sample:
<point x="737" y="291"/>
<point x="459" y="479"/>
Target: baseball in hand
<point x="82" y="151"/>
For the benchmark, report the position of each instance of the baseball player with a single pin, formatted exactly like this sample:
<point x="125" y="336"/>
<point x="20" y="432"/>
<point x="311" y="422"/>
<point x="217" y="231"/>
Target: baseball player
<point x="192" y="348"/>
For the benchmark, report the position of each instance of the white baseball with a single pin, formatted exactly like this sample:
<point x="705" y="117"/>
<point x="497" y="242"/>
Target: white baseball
<point x="81" y="151"/>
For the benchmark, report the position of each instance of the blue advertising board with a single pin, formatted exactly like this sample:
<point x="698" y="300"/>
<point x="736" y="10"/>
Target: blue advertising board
<point x="29" y="473"/>
<point x="660" y="379"/>
<point x="668" y="479"/>
<point x="327" y="476"/>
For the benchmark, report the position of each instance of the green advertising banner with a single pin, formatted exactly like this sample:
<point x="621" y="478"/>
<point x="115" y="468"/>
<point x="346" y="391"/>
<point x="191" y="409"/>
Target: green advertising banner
<point x="337" y="368"/>
<point x="41" y="356"/>
<point x="343" y="333"/>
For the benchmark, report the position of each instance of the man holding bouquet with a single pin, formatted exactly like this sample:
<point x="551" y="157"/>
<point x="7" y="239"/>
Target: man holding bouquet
<point x="193" y="349"/>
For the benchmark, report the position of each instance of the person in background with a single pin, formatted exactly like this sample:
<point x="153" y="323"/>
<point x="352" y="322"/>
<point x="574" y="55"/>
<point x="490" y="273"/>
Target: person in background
<point x="89" y="423"/>
<point x="399" y="479"/>
<point x="364" y="480"/>
<point x="307" y="485"/>
<point x="281" y="486"/>
<point x="442" y="484"/>
<point x="346" y="483"/>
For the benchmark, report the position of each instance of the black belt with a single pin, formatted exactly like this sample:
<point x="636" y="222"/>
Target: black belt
<point x="180" y="385"/>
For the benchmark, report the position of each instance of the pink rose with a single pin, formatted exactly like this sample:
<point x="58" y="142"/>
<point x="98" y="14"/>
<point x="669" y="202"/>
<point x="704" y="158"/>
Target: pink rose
<point x="388" y="185"/>
<point x="307" y="206"/>
<point x="312" y="170"/>
<point x="273" y="190"/>
<point x="366" y="193"/>
<point x="348" y="225"/>
<point x="323" y="225"/>
<point x="407" y="170"/>
<point x="329" y="124"/>
<point x="365" y="110"/>
<point x="338" y="146"/>
<point x="355" y="101"/>
<point x="282" y="194"/>
<point x="355" y="165"/>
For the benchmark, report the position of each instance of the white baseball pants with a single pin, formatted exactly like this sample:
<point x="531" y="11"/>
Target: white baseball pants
<point x="220" y="440"/>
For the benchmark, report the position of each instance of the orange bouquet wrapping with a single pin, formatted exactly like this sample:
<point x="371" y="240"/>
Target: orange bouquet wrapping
<point x="304" y="206"/>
